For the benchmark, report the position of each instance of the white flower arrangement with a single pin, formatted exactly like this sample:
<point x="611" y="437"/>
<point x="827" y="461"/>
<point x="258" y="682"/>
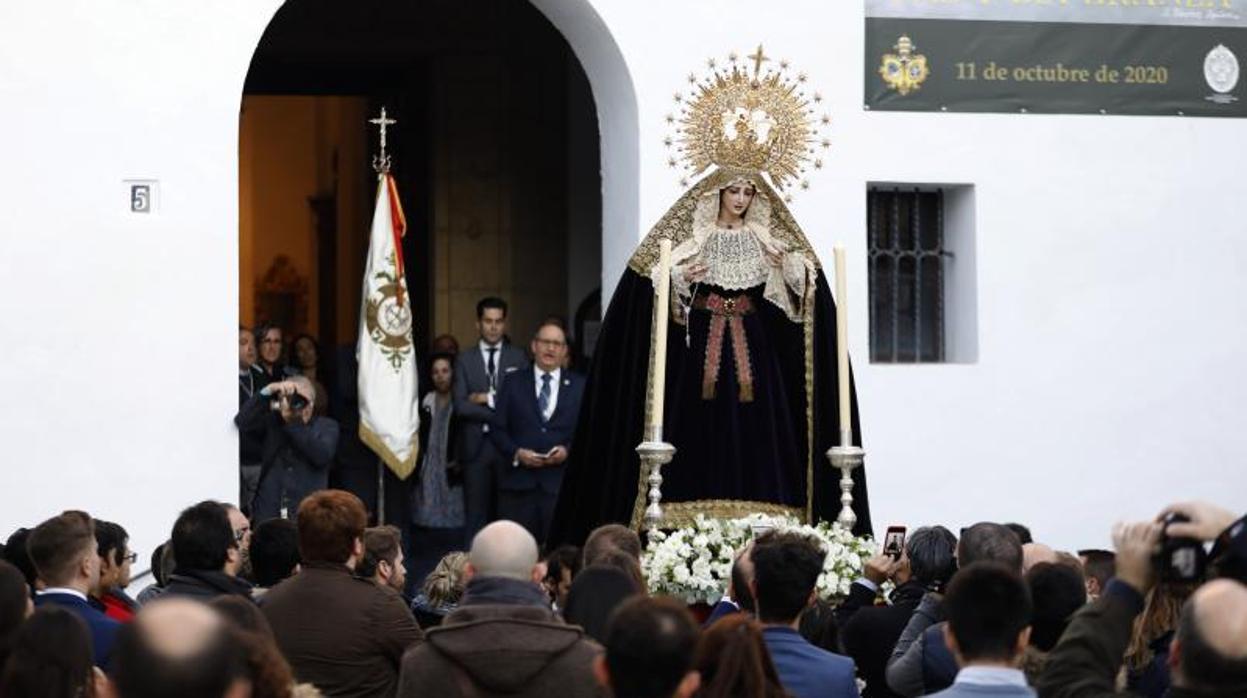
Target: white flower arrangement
<point x="695" y="563"/>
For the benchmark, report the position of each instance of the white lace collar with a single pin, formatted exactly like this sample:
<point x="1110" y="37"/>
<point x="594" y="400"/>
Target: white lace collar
<point x="734" y="259"/>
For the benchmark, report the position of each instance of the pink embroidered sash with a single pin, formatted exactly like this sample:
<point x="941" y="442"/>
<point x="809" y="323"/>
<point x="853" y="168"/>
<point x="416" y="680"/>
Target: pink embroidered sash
<point x="725" y="315"/>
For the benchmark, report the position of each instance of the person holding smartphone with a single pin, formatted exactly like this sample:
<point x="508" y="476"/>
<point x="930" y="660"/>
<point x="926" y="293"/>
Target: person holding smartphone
<point x="920" y="564"/>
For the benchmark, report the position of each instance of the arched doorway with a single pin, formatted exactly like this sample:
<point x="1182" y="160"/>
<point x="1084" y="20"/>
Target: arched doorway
<point x="498" y="152"/>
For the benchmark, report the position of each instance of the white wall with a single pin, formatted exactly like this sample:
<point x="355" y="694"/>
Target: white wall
<point x="1110" y="297"/>
<point x="118" y="330"/>
<point x="1109" y="302"/>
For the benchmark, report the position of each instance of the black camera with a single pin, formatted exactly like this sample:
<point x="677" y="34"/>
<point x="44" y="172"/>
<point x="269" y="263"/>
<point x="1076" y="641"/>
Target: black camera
<point x="1180" y="559"/>
<point x="296" y="401"/>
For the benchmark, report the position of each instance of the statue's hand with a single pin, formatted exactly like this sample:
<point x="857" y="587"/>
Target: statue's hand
<point x="695" y="273"/>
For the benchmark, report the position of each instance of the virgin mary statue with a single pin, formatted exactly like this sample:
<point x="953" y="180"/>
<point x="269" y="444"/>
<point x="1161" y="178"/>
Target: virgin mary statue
<point x="750" y="398"/>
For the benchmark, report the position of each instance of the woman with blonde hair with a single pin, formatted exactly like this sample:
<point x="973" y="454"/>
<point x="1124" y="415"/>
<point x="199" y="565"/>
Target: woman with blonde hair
<point x="441" y="591"/>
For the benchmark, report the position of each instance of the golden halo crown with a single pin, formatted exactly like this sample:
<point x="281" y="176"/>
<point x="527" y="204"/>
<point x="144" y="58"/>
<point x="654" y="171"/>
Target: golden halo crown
<point x="741" y="116"/>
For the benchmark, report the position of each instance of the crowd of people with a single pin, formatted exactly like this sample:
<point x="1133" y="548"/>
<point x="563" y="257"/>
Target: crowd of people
<point x="307" y="587"/>
<point x="495" y="432"/>
<point x="315" y="605"/>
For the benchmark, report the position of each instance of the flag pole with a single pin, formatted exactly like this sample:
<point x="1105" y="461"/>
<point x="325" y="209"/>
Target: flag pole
<point x="380" y="492"/>
<point x="381" y="164"/>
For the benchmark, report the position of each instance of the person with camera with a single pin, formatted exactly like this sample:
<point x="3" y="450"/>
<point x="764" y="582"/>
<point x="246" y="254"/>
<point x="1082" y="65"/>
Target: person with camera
<point x="1208" y="654"/>
<point x="298" y="446"/>
<point x="868" y="632"/>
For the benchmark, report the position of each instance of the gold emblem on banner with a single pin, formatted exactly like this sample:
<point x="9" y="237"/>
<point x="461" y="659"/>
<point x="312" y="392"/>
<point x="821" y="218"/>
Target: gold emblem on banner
<point x="904" y="71"/>
<point x="388" y="318"/>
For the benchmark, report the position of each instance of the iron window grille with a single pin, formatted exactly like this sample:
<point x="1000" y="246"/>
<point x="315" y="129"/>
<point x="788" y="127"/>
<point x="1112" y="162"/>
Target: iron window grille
<point x="905" y="229"/>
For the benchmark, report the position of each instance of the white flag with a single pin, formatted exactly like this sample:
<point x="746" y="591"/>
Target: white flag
<point x="389" y="414"/>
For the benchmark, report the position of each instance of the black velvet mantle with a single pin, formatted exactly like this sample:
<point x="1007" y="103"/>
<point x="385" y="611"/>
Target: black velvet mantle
<point x="730" y="455"/>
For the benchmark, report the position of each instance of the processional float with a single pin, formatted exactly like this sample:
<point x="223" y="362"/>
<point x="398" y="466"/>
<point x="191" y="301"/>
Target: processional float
<point x="776" y="107"/>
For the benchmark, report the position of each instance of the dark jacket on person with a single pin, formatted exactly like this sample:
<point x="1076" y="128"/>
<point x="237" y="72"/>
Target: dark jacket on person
<point x="251" y="440"/>
<point x="807" y="671"/>
<point x="1085" y="663"/>
<point x="343" y="634"/>
<point x="723" y="609"/>
<point x="204" y="585"/>
<point x="471" y="376"/>
<point x="503" y="640"/>
<point x="596" y="592"/>
<point x="296" y="457"/>
<point x="921" y="663"/>
<point x="518" y="424"/>
<point x="103" y="630"/>
<point x="1152" y="679"/>
<point x="868" y="633"/>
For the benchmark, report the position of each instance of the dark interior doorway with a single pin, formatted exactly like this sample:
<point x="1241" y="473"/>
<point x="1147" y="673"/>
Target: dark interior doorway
<point x="495" y="152"/>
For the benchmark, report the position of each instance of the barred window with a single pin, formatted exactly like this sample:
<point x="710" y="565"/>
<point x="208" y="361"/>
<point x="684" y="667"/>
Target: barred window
<point x="905" y="231"/>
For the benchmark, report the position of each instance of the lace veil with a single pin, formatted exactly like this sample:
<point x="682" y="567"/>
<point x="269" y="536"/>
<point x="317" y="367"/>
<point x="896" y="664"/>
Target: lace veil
<point x="692" y="218"/>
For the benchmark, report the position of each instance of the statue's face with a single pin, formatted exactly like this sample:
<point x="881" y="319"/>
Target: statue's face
<point x="735" y="200"/>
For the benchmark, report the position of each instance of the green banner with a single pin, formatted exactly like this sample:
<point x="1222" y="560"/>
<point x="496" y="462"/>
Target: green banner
<point x="1178" y="64"/>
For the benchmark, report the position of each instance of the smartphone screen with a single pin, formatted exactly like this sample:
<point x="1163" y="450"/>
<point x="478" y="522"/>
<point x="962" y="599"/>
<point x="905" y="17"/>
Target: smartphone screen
<point x="894" y="542"/>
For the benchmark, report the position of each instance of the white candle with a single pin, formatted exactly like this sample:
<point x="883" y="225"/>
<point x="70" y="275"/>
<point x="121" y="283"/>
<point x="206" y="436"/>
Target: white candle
<point x="662" y="305"/>
<point x="842" y="349"/>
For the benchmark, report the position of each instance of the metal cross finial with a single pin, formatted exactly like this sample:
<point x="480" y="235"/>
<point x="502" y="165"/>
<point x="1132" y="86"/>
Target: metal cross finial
<point x="758" y="59"/>
<point x="381" y="163"/>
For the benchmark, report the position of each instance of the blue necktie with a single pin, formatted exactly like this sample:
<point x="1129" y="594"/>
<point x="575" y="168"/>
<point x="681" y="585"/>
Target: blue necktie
<point x="491" y="367"/>
<point x="543" y="398"/>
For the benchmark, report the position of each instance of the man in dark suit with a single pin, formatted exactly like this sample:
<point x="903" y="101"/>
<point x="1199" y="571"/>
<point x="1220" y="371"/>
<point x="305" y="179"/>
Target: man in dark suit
<point x="786" y="568"/>
<point x="64" y="552"/>
<point x="478" y="374"/>
<point x="534" y="422"/>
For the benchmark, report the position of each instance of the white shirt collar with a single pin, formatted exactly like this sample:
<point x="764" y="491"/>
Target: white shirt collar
<point x="554" y="375"/>
<point x="486" y="346"/>
<point x="991" y="676"/>
<point x="62" y="590"/>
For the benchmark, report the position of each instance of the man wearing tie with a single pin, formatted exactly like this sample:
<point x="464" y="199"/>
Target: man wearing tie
<point x="533" y="428"/>
<point x="478" y="374"/>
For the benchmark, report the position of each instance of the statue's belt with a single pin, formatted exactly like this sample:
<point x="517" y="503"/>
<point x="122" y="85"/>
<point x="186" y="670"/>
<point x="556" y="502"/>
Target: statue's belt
<point x="725" y="314"/>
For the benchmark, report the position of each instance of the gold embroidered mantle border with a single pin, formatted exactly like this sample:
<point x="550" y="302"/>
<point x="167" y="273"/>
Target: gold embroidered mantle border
<point x="682" y="514"/>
